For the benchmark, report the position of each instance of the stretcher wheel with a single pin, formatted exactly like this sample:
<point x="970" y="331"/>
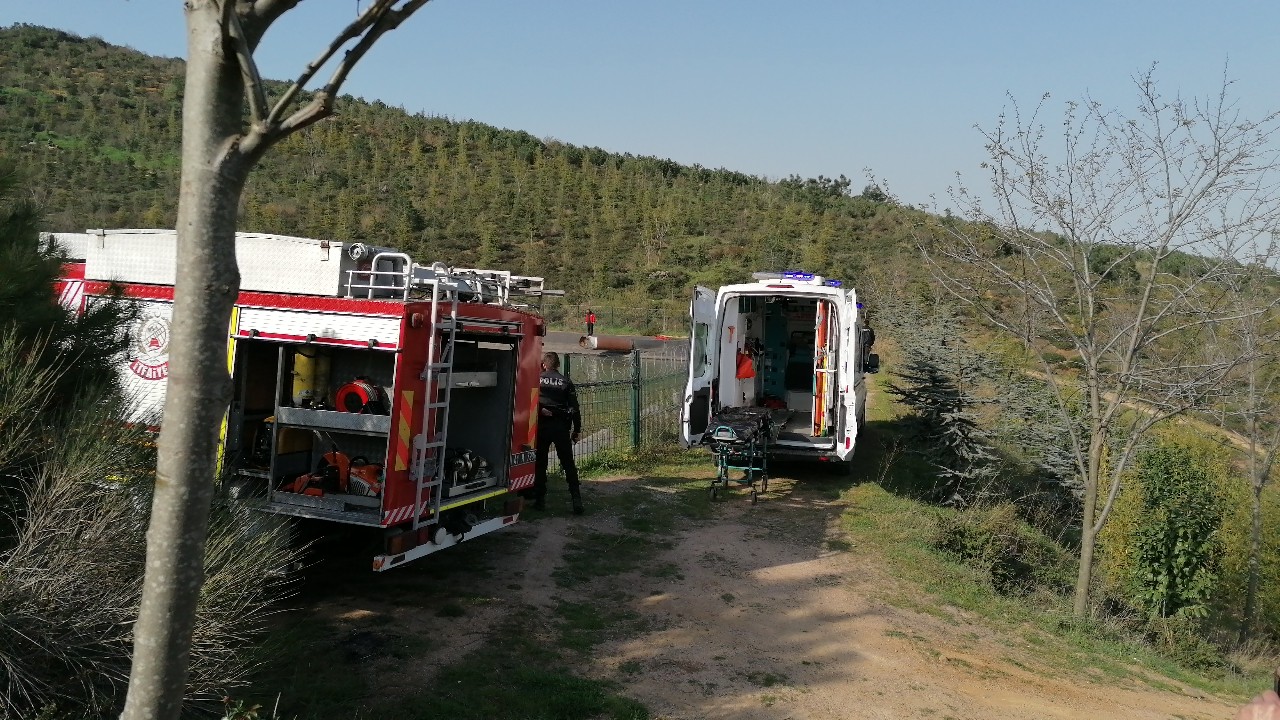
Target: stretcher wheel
<point x="713" y="492"/>
<point x="764" y="483"/>
<point x="754" y="497"/>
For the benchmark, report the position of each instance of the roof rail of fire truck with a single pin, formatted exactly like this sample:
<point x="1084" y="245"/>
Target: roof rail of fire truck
<point x="396" y="274"/>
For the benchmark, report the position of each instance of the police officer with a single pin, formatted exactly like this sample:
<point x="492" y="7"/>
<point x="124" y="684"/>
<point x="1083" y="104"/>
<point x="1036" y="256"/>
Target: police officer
<point x="559" y="424"/>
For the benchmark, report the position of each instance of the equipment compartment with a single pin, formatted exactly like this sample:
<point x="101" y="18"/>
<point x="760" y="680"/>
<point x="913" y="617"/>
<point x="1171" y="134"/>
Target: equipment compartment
<point x="480" y="416"/>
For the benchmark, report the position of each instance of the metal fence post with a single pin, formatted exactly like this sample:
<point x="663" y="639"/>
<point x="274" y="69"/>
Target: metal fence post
<point x="635" y="398"/>
<point x="566" y="364"/>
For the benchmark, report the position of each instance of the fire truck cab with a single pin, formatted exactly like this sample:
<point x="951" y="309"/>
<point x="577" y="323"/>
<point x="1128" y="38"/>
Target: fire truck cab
<point x="368" y="389"/>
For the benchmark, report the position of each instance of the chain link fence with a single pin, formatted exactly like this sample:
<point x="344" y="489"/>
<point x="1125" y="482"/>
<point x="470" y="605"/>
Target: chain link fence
<point x="628" y="401"/>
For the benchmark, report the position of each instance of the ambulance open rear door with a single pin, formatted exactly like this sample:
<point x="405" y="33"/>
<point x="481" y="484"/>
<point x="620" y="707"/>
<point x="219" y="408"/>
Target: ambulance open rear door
<point x="703" y="353"/>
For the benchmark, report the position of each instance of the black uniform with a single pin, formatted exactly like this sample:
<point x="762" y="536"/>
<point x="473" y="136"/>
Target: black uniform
<point x="559" y="419"/>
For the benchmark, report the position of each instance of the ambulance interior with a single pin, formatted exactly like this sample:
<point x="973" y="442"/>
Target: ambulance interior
<point x="779" y="351"/>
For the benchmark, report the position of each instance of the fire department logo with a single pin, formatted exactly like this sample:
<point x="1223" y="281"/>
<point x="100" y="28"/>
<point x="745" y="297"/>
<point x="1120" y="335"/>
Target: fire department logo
<point x="149" y="354"/>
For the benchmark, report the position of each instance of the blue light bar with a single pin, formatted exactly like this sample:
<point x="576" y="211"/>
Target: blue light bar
<point x="833" y="283"/>
<point x="797" y="275"/>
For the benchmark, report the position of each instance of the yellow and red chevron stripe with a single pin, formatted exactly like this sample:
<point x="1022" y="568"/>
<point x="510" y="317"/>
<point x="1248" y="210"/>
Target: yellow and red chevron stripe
<point x="405" y="430"/>
<point x="533" y="417"/>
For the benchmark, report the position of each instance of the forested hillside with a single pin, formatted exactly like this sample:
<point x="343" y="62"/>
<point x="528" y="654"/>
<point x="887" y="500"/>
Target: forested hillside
<point x="98" y="126"/>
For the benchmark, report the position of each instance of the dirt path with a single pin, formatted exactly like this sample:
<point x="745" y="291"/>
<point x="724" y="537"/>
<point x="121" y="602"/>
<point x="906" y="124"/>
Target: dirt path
<point x="762" y="611"/>
<point x="760" y="620"/>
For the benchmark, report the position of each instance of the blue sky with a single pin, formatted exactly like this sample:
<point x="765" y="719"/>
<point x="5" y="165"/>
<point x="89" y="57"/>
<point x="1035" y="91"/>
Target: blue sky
<point x="767" y="88"/>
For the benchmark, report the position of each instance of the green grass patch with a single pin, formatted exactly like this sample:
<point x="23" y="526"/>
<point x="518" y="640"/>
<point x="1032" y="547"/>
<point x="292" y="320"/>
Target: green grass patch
<point x="518" y="678"/>
<point x="324" y="672"/>
<point x="899" y="530"/>
<point x="649" y="513"/>
<point x="585" y="625"/>
<point x="593" y="554"/>
<point x="766" y="679"/>
<point x="312" y="674"/>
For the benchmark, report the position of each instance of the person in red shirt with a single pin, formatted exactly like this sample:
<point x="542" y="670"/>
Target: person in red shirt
<point x="591" y="322"/>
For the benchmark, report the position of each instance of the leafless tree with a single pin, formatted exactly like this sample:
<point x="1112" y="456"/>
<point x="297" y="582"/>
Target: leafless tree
<point x="1112" y="239"/>
<point x="1253" y="395"/>
<point x="219" y="149"/>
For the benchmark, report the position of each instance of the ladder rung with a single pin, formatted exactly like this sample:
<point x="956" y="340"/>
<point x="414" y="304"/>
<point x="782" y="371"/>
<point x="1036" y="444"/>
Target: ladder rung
<point x="440" y="366"/>
<point x="436" y="405"/>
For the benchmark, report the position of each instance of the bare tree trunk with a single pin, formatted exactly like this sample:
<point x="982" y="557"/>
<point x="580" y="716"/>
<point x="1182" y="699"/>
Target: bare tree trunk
<point x="1088" y="539"/>
<point x="198" y="391"/>
<point x="1255" y="549"/>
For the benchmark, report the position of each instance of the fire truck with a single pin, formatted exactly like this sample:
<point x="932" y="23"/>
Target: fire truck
<point x="368" y="389"/>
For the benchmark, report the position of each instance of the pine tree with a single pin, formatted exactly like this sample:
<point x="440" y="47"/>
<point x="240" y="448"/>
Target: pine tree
<point x="937" y="381"/>
<point x="78" y="347"/>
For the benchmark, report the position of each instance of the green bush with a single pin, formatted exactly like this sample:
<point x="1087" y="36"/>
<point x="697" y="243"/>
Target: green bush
<point x="1016" y="558"/>
<point x="1176" y="545"/>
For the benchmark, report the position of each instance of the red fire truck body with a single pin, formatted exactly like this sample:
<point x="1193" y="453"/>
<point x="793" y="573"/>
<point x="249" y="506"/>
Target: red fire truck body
<point x="367" y="389"/>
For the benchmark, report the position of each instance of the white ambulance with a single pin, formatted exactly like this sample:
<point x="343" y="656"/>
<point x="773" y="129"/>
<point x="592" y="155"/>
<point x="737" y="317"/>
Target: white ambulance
<point x="793" y="342"/>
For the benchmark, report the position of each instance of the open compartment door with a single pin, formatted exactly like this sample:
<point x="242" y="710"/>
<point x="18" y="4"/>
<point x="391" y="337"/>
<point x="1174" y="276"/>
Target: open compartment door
<point x="703" y="353"/>
<point x="853" y="391"/>
<point x="825" y="358"/>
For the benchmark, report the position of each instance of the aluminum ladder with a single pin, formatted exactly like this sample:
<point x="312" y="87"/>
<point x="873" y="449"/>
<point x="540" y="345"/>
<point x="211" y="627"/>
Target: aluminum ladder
<point x="438" y="375"/>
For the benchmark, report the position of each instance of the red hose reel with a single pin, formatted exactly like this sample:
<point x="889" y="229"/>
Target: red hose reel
<point x="361" y="396"/>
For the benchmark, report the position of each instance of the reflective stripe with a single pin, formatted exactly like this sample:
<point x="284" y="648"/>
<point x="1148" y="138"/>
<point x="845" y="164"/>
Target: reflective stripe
<point x="405" y="430"/>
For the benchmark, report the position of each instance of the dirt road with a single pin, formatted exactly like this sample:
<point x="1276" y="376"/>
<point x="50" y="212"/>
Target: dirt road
<point x="764" y="611"/>
<point x="761" y="618"/>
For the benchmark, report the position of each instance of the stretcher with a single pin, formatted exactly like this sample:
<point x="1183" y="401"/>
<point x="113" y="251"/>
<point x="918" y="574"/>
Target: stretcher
<point x="739" y="438"/>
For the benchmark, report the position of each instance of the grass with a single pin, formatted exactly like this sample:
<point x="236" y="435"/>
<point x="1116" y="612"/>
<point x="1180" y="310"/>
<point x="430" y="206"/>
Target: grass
<point x="766" y="679"/>
<point x="897" y="529"/>
<point x="530" y="668"/>
<point x="519" y="678"/>
<point x="312" y="676"/>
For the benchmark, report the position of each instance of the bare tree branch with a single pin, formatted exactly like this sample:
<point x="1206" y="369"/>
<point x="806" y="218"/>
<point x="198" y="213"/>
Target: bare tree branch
<point x="257" y="16"/>
<point x="322" y="105"/>
<point x="253" y="88"/>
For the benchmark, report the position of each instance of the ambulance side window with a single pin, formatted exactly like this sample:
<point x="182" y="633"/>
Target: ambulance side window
<point x="700" y="332"/>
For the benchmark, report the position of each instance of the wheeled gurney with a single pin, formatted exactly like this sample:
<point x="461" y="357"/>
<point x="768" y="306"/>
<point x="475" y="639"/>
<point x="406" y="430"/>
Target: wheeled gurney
<point x="739" y="438"/>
